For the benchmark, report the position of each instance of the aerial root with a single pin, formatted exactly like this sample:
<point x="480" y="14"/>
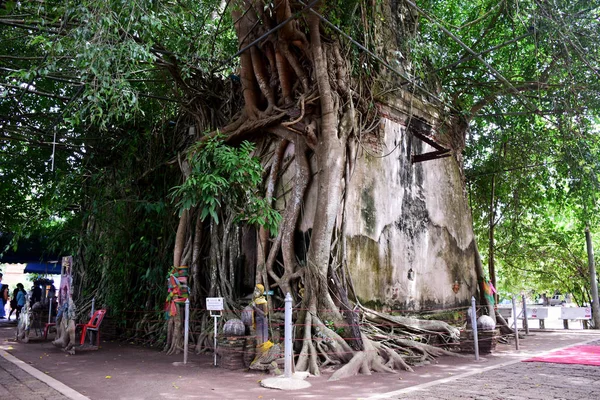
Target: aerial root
<point x="394" y="360"/>
<point x="363" y="362"/>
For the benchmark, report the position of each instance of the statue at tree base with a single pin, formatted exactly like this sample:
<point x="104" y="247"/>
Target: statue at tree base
<point x="65" y="327"/>
<point x="24" y="323"/>
<point x="266" y="351"/>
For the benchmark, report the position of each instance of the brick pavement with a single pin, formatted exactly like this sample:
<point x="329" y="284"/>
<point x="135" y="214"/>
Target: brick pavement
<point x="120" y="371"/>
<point x="17" y="384"/>
<point x="519" y="381"/>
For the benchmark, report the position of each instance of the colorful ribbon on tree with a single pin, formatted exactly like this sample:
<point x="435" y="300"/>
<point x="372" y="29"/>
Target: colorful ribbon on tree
<point x="488" y="290"/>
<point x="178" y="289"/>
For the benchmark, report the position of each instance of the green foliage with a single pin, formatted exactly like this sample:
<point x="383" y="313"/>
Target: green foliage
<point x="331" y="325"/>
<point x="532" y="151"/>
<point x="225" y="175"/>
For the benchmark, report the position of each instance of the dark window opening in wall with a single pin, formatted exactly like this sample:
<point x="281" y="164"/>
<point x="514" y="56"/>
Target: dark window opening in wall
<point x="421" y="130"/>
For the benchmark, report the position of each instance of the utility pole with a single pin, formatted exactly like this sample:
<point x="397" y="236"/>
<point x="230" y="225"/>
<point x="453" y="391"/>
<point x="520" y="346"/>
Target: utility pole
<point x="594" y="282"/>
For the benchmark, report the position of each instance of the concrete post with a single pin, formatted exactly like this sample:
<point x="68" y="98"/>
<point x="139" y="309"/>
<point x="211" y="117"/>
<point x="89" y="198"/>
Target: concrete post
<point x="186" y="332"/>
<point x="515" y="319"/>
<point x="593" y="280"/>
<point x="474" y="325"/>
<point x="288" y="336"/>
<point x="525" y="320"/>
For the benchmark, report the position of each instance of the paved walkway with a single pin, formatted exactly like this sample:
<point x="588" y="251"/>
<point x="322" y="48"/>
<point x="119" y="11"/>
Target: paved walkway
<point x="16" y="383"/>
<point x="511" y="380"/>
<point x="124" y="371"/>
<point x="520" y="381"/>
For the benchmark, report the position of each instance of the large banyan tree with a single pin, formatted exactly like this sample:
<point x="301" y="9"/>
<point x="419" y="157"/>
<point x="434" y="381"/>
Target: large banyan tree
<point x="365" y="171"/>
<point x="313" y="147"/>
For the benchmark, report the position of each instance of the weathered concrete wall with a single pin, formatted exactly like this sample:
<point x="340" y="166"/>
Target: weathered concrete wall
<point x="401" y="216"/>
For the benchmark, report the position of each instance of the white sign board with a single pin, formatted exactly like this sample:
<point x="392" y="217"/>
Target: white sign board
<point x="505" y="312"/>
<point x="576" y="313"/>
<point x="537" y="313"/>
<point x="214" y="303"/>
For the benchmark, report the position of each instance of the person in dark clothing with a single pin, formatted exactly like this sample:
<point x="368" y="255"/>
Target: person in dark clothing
<point x="13" y="302"/>
<point x="21" y="298"/>
<point x="36" y="293"/>
<point x="3" y="297"/>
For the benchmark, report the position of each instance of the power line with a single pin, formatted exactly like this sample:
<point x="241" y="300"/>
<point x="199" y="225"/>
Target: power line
<point x="532" y="166"/>
<point x="474" y="54"/>
<point x="379" y="59"/>
<point x="467" y="58"/>
<point x="273" y="30"/>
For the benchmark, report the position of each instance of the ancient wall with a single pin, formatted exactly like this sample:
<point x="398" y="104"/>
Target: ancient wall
<point x="400" y="217"/>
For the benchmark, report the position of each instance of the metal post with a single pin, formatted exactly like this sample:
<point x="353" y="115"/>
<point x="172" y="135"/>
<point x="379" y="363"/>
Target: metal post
<point x="288" y="336"/>
<point x="91" y="315"/>
<point x="474" y="325"/>
<point x="215" y="339"/>
<point x="594" y="283"/>
<point x="50" y="311"/>
<point x="525" y="320"/>
<point x="186" y="332"/>
<point x="514" y="304"/>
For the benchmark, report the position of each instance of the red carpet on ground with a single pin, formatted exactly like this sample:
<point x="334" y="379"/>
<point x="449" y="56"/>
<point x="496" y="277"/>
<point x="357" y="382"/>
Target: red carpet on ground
<point x="584" y="355"/>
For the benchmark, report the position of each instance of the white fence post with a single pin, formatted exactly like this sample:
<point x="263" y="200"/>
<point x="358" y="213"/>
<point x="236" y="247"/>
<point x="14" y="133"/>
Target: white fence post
<point x="288" y="336"/>
<point x="515" y="319"/>
<point x="186" y="333"/>
<point x="525" y="318"/>
<point x="474" y="325"/>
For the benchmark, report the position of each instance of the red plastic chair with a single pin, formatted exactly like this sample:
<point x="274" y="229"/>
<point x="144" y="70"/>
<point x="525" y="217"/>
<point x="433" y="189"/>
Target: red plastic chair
<point x="47" y="327"/>
<point x="93" y="326"/>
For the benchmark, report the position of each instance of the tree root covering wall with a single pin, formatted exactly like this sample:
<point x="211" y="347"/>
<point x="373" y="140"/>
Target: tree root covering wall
<point x="399" y="216"/>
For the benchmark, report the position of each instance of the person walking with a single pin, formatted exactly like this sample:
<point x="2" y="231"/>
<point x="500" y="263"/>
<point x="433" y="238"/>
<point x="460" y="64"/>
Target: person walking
<point x="13" y="302"/>
<point x="21" y="299"/>
<point x="3" y="297"/>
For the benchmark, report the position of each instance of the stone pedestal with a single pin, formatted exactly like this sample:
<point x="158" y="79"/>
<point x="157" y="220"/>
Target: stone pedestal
<point x="230" y="352"/>
<point x="487" y="341"/>
<point x="249" y="350"/>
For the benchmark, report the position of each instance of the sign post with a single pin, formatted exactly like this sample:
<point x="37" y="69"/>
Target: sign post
<point x="215" y="304"/>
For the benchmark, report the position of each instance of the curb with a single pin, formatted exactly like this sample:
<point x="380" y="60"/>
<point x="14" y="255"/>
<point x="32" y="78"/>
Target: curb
<point x="467" y="374"/>
<point x="53" y="383"/>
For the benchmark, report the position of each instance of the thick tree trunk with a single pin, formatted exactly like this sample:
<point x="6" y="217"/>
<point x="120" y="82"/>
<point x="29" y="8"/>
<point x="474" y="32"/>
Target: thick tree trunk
<point x="331" y="161"/>
<point x="491" y="226"/>
<point x="480" y="278"/>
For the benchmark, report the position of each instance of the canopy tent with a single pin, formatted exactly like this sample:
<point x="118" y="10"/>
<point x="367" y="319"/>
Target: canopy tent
<point x="30" y="251"/>
<point x="43" y="268"/>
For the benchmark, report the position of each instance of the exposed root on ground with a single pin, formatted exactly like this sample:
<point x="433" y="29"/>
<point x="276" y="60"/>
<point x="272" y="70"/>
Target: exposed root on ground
<point x="389" y="345"/>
